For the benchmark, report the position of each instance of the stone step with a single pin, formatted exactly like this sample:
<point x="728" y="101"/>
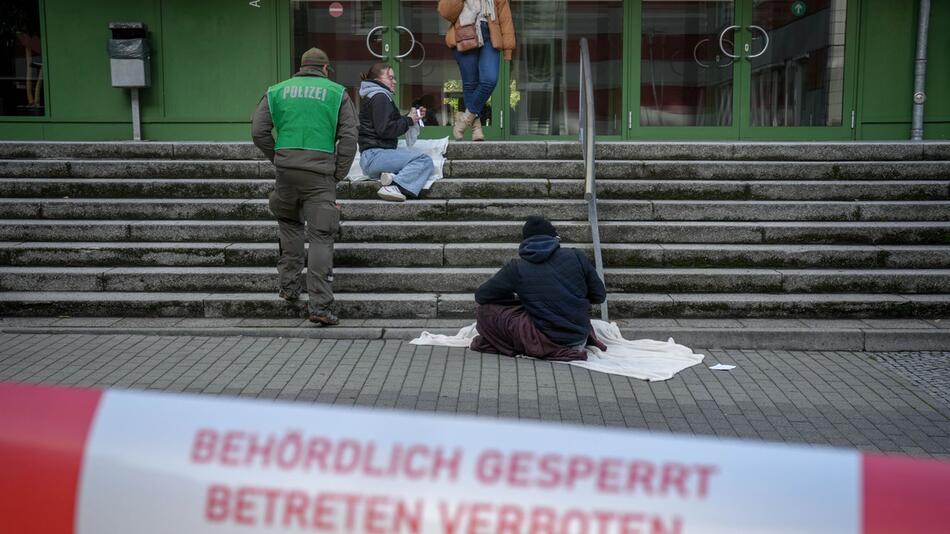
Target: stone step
<point x="903" y="232"/>
<point x="134" y="150"/>
<point x="449" y="305"/>
<point x="703" y="170"/>
<point x="194" y="304"/>
<point x="153" y="168"/>
<point x="506" y="168"/>
<point x="135" y="187"/>
<point x="455" y="280"/>
<point x="493" y="209"/>
<point x="749" y="305"/>
<point x="721" y="255"/>
<point x="703" y="150"/>
<point x="181" y="254"/>
<point x="573" y="188"/>
<point x="804" y="151"/>
<point x="184" y="254"/>
<point x="494" y="188"/>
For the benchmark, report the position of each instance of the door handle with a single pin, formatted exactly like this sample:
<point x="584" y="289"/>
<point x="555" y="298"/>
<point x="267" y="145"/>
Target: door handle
<point x="723" y="36"/>
<point x="696" y="56"/>
<point x="370" y="48"/>
<point x="421" y="61"/>
<point x="411" y="46"/>
<point x="764" y="34"/>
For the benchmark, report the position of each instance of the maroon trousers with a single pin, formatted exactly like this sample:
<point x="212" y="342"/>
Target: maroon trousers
<point x="509" y="330"/>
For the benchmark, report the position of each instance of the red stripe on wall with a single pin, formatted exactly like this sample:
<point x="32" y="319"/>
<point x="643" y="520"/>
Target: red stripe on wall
<point x="43" y="434"/>
<point x="905" y="495"/>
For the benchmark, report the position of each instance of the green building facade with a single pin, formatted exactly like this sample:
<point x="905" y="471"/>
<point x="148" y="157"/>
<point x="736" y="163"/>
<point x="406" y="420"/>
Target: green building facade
<point x="690" y="70"/>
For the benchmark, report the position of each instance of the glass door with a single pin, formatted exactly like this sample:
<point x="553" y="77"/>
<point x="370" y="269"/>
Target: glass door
<point x="742" y="69"/>
<point x="796" y="71"/>
<point x="542" y="97"/>
<point x="407" y="34"/>
<point x="663" y="69"/>
<point x="688" y="62"/>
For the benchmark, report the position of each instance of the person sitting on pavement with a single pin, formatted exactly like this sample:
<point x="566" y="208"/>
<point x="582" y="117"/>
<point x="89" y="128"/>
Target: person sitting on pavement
<point x="401" y="172"/>
<point x="539" y="304"/>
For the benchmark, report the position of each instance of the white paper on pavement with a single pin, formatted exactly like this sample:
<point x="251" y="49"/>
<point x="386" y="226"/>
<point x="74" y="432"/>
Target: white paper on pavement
<point x="434" y="148"/>
<point x="645" y="359"/>
<point x="722" y="367"/>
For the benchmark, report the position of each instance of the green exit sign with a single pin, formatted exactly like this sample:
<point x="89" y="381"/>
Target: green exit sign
<point x="798" y="8"/>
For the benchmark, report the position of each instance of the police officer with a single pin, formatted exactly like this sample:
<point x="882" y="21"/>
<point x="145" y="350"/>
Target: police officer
<point x="312" y="148"/>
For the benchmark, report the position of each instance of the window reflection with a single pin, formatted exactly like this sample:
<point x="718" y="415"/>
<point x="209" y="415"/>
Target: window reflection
<point x="545" y="69"/>
<point x="339" y="28"/>
<point x="430" y="76"/>
<point x="21" y="59"/>
<point x="685" y="78"/>
<point x="799" y="78"/>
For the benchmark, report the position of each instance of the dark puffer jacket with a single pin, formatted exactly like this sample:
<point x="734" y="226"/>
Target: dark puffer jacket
<point x="556" y="285"/>
<point x="381" y="124"/>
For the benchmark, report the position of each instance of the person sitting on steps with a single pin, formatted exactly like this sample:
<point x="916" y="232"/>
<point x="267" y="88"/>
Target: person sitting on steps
<point x="401" y="172"/>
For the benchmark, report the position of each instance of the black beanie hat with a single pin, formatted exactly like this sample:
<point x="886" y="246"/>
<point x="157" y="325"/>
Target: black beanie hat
<point x="537" y="225"/>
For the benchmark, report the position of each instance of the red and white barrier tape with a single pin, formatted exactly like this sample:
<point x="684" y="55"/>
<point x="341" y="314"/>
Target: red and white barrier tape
<point x="91" y="461"/>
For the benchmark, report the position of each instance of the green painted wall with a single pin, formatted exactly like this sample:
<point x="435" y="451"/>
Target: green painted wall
<point x="888" y="44"/>
<point x="79" y="80"/>
<point x="219" y="56"/>
<point x="211" y="62"/>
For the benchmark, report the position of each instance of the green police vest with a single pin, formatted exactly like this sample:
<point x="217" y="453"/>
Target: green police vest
<point x="305" y="110"/>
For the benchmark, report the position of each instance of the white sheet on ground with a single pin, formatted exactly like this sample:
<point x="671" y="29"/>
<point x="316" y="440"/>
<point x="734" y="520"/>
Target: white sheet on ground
<point x="645" y="359"/>
<point x="434" y="148"/>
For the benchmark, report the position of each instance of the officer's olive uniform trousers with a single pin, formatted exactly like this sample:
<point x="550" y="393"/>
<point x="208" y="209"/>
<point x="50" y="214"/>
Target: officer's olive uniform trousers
<point x="306" y="197"/>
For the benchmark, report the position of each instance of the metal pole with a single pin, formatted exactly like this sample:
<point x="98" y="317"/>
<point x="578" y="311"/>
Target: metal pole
<point x="136" y="117"/>
<point x="920" y="73"/>
<point x="586" y="127"/>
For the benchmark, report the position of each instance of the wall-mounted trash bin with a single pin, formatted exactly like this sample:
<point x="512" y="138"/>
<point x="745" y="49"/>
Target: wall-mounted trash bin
<point x="129" y="54"/>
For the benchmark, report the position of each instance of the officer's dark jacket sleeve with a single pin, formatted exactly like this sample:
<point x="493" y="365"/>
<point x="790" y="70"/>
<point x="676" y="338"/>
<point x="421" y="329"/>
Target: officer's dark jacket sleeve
<point x="500" y="288"/>
<point x="347" y="130"/>
<point x="387" y="122"/>
<point x="262" y="127"/>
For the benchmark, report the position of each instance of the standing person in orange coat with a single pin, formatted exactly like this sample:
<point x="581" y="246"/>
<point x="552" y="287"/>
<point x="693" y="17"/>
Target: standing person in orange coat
<point x="481" y="31"/>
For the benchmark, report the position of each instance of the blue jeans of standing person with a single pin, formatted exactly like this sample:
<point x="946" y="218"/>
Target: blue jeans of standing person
<point x="412" y="169"/>
<point x="479" y="70"/>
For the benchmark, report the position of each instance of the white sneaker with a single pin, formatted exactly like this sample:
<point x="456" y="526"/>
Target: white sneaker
<point x="391" y="192"/>
<point x="386" y="178"/>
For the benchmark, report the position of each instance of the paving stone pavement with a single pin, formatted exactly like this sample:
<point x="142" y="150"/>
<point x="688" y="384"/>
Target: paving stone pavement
<point x="871" y="401"/>
<point x="928" y="370"/>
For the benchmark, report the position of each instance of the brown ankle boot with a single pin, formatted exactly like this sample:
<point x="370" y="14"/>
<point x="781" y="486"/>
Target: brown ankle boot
<point x="477" y="133"/>
<point x="463" y="121"/>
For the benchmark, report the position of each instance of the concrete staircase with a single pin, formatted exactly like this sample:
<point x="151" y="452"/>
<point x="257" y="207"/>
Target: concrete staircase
<point x="690" y="230"/>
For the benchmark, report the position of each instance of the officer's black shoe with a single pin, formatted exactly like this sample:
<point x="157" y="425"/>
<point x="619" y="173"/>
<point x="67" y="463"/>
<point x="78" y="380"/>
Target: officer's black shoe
<point x="324" y="319"/>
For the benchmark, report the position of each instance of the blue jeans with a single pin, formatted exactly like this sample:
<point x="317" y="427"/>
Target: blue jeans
<point x="479" y="70"/>
<point x="412" y="169"/>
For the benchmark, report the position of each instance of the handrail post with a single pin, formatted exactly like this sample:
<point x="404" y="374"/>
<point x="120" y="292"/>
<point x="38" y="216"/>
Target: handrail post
<point x="586" y="133"/>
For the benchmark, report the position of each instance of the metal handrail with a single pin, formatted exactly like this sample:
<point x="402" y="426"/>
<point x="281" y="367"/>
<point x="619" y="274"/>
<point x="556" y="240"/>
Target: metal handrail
<point x="586" y="132"/>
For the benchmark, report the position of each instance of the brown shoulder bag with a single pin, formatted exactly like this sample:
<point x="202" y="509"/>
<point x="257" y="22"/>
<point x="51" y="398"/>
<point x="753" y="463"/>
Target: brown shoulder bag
<point x="465" y="37"/>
